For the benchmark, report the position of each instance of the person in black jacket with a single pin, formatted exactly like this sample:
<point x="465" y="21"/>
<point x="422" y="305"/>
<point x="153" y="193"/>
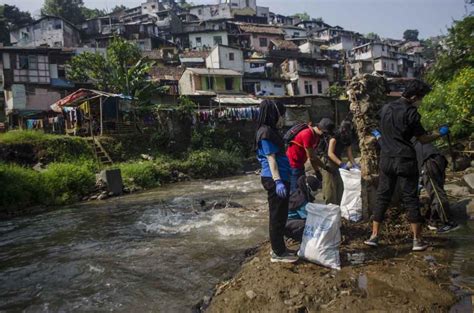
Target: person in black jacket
<point x="432" y="166"/>
<point x="399" y="123"/>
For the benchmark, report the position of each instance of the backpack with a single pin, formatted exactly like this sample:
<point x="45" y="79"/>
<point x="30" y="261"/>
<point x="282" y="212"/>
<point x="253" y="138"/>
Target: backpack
<point x="292" y="132"/>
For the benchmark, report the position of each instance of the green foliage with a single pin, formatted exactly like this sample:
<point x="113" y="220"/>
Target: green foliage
<point x="211" y="163"/>
<point x="121" y="70"/>
<point x="66" y="182"/>
<point x="372" y="36"/>
<point x="451" y="103"/>
<point x="207" y="137"/>
<point x="70" y="10"/>
<point x="119" y="8"/>
<point x="336" y="91"/>
<point x="24" y="136"/>
<point x="92" y="13"/>
<point x="21" y="187"/>
<point x="145" y="174"/>
<point x="458" y="53"/>
<point x="411" y="34"/>
<point x="302" y="16"/>
<point x="11" y="17"/>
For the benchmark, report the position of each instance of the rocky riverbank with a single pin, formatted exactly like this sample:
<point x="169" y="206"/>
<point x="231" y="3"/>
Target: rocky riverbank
<point x="390" y="278"/>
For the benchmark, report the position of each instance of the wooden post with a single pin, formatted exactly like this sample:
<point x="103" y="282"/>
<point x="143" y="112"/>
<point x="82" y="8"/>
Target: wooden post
<point x="101" y="117"/>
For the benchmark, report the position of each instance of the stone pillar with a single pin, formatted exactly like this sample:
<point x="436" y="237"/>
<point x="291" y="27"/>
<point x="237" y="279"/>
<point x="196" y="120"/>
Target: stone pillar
<point x="367" y="94"/>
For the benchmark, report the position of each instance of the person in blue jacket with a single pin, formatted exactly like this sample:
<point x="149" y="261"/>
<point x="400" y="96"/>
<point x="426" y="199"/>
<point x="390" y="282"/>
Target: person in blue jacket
<point x="275" y="175"/>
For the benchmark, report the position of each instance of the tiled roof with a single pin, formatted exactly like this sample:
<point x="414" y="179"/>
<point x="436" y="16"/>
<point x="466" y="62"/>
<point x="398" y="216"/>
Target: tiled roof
<point x="261" y="29"/>
<point x="166" y="73"/>
<point x="284" y="44"/>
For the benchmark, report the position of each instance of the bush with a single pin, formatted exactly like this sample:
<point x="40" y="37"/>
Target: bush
<point x="145" y="174"/>
<point x="21" y="187"/>
<point x="65" y="182"/>
<point x="451" y="103"/>
<point x="24" y="136"/>
<point x="211" y="163"/>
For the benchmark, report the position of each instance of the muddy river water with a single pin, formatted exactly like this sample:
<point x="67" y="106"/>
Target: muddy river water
<point x="161" y="250"/>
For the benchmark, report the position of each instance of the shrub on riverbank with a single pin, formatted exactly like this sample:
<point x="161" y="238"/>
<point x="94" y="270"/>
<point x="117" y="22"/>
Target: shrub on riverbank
<point x="211" y="163"/>
<point x="145" y="174"/>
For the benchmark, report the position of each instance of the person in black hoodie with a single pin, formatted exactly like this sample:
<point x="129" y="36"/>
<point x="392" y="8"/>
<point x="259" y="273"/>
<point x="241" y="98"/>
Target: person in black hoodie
<point x="275" y="175"/>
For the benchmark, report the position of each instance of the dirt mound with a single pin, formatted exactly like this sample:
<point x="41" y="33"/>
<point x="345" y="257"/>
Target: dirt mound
<point x="387" y="279"/>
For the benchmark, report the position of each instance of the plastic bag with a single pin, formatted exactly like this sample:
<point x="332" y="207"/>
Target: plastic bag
<point x="322" y="235"/>
<point x="351" y="202"/>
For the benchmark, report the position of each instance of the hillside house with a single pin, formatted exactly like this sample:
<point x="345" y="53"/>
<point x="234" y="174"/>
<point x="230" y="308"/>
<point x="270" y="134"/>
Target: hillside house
<point x="202" y="81"/>
<point x="225" y="57"/>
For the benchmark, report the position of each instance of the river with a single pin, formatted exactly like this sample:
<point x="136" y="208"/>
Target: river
<point x="160" y="250"/>
<point x="155" y="251"/>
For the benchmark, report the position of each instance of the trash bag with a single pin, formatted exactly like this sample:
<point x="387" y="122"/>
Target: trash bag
<point x="351" y="202"/>
<point x="322" y="235"/>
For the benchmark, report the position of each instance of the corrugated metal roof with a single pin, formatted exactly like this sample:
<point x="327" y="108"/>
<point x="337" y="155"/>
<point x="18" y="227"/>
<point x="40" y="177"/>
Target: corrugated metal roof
<point x="261" y="29"/>
<point x="237" y="100"/>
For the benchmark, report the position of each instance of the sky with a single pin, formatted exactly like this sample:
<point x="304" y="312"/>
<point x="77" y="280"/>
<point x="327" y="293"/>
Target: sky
<point x="388" y="18"/>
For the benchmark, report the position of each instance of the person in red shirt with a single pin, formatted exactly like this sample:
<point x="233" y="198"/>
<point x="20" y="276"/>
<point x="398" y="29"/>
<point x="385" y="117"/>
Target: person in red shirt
<point x="303" y="147"/>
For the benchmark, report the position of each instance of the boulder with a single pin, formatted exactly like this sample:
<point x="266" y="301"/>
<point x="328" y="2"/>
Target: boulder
<point x="469" y="181"/>
<point x="457" y="191"/>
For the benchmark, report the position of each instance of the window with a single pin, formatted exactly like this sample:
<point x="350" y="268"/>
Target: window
<point x="320" y="87"/>
<point x="308" y="87"/>
<point x="263" y="42"/>
<point x="57" y="24"/>
<point x="200" y="12"/>
<point x="23" y="62"/>
<point x="383" y="48"/>
<point x="277" y="86"/>
<point x="153" y="7"/>
<point x="229" y="83"/>
<point x="198" y="41"/>
<point x="231" y="56"/>
<point x="247" y="3"/>
<point x="210" y="83"/>
<point x="217" y="40"/>
<point x="296" y="34"/>
<point x="393" y="67"/>
<point x="384" y="65"/>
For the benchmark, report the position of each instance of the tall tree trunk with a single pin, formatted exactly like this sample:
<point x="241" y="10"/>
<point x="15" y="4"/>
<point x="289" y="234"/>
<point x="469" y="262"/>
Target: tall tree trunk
<point x="367" y="94"/>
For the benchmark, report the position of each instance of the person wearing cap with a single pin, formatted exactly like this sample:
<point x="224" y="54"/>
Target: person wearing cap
<point x="339" y="142"/>
<point x="304" y="194"/>
<point x="399" y="123"/>
<point x="303" y="147"/>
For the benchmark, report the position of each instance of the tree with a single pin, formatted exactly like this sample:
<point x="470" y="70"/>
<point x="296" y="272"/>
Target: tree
<point x="411" y="35"/>
<point x="372" y="36"/>
<point x="70" y="10"/>
<point x="91" y="13"/>
<point x="119" y="8"/>
<point x="302" y="16"/>
<point x="121" y="70"/>
<point x="11" y="17"/>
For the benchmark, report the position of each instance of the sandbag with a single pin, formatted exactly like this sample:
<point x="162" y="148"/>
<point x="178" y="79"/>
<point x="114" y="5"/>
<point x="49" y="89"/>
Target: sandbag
<point x="351" y="202"/>
<point x="322" y="235"/>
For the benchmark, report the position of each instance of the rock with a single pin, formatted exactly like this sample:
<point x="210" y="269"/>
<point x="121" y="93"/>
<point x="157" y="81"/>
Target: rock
<point x="457" y="191"/>
<point x="469" y="181"/>
<point x="462" y="163"/>
<point x="345" y="293"/>
<point x="102" y="196"/>
<point x="472" y="164"/>
<point x="250" y="294"/>
<point x="93" y="198"/>
<point x="111" y="194"/>
<point x="470" y="208"/>
<point x="206" y="300"/>
<point x="39" y="167"/>
<point x="146" y="157"/>
<point x="294" y="292"/>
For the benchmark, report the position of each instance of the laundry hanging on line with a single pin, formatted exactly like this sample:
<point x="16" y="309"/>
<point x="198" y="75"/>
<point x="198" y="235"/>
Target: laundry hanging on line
<point x="231" y="114"/>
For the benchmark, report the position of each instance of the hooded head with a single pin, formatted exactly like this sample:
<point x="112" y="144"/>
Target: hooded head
<point x="345" y="132"/>
<point x="416" y="90"/>
<point x="270" y="113"/>
<point x="326" y="125"/>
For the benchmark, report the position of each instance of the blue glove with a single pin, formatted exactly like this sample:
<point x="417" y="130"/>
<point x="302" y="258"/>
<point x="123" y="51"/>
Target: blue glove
<point x="443" y="131"/>
<point x="376" y="134"/>
<point x="356" y="166"/>
<point x="344" y="166"/>
<point x="280" y="189"/>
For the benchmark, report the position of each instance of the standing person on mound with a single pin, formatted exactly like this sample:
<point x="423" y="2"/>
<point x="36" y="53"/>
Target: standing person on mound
<point x="340" y="142"/>
<point x="303" y="147"/>
<point x="275" y="175"/>
<point x="399" y="123"/>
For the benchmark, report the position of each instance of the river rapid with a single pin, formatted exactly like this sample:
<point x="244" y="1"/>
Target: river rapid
<point x="157" y="251"/>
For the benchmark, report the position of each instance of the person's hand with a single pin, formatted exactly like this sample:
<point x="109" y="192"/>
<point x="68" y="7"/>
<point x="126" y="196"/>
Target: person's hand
<point x="356" y="166"/>
<point x="344" y="166"/>
<point x="280" y="189"/>
<point x="376" y="134"/>
<point x="443" y="130"/>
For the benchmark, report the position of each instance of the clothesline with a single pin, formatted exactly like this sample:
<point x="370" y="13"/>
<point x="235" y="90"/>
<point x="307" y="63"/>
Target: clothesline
<point x="233" y="114"/>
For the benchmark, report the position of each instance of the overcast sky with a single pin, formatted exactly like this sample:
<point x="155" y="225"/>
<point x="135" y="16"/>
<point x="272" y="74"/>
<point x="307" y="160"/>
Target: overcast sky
<point x="388" y="18"/>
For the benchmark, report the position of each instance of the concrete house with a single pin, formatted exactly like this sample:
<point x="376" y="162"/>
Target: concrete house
<point x="204" y="35"/>
<point x="225" y="57"/>
<point x="255" y="36"/>
<point x="48" y="31"/>
<point x="263" y="78"/>
<point x="202" y="81"/>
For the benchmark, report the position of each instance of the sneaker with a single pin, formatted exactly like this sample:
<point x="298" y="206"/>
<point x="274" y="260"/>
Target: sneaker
<point x="289" y="251"/>
<point x="448" y="227"/>
<point x="284" y="258"/>
<point x="419" y="245"/>
<point x="373" y="241"/>
<point x="432" y="227"/>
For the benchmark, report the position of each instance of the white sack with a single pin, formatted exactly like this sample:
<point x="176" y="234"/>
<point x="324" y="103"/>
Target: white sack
<point x="322" y="235"/>
<point x="351" y="203"/>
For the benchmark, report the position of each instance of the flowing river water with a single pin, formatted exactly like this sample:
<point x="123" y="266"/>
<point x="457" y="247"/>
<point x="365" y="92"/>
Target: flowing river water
<point x="158" y="251"/>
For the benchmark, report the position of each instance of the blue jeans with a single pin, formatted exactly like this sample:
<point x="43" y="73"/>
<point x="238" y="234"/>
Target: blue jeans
<point x="296" y="173"/>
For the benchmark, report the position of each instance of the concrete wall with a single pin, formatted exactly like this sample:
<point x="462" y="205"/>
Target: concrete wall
<point x="255" y="42"/>
<point x="225" y="62"/>
<point x="271" y="87"/>
<point x="314" y="82"/>
<point x="211" y="12"/>
<point x="207" y="39"/>
<point x="386" y="65"/>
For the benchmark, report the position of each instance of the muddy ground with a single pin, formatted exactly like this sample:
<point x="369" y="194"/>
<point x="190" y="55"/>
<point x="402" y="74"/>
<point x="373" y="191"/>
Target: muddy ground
<point x="390" y="278"/>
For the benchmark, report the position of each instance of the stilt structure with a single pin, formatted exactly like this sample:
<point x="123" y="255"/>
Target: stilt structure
<point x="367" y="94"/>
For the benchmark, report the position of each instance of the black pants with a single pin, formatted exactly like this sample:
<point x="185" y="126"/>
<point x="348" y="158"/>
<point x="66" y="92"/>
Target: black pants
<point x="406" y="172"/>
<point x="434" y="174"/>
<point x="294" y="229"/>
<point x="278" y="215"/>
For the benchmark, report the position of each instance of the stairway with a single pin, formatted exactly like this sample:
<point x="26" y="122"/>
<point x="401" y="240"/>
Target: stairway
<point x="100" y="153"/>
